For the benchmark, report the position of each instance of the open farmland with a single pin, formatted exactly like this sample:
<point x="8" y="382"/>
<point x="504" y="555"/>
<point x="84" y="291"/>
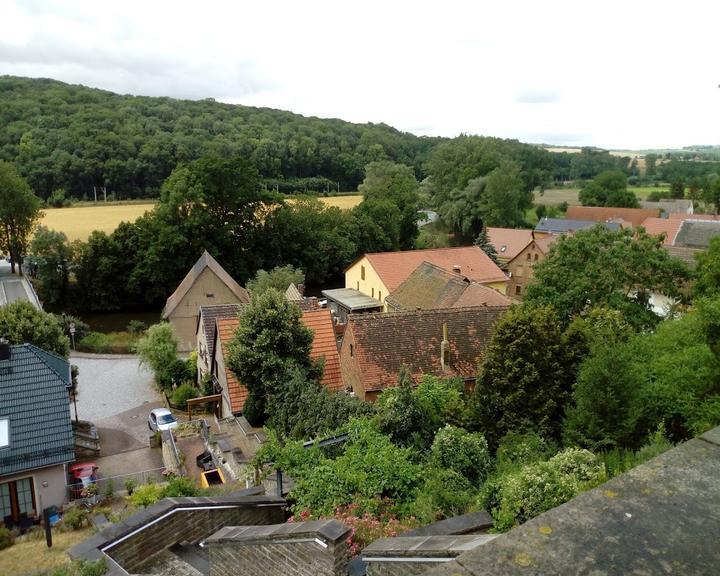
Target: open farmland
<point x="571" y="195"/>
<point x="78" y="222"/>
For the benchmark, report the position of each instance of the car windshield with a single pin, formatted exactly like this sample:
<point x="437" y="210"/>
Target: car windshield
<point x="166" y="419"/>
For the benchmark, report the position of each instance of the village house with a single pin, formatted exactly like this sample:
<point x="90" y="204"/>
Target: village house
<point x="625" y="216"/>
<point x="508" y="242"/>
<point x="205" y="334"/>
<point x="560" y="226"/>
<point x="324" y="347"/>
<point x="379" y="274"/>
<point x="430" y="287"/>
<point x="206" y="283"/>
<point x="520" y="268"/>
<point x="36" y="436"/>
<point x="447" y="342"/>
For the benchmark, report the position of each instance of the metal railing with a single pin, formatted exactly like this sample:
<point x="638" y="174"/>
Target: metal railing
<point x="113" y="484"/>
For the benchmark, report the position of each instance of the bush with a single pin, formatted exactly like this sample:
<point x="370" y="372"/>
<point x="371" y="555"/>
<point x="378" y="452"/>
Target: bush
<point x="146" y="495"/>
<point x="7" y="538"/>
<point x="110" y="343"/>
<point x="179" y="486"/>
<point x="463" y="452"/>
<point x="58" y="199"/>
<point x="82" y="329"/>
<point x="129" y="486"/>
<point x="109" y="491"/>
<point x="182" y="394"/>
<point x="445" y="493"/>
<point x="136" y="327"/>
<point x="74" y="519"/>
<point x="519" y="448"/>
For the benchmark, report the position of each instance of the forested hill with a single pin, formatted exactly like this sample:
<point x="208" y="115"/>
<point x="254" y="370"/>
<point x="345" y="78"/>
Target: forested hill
<point x="73" y="137"/>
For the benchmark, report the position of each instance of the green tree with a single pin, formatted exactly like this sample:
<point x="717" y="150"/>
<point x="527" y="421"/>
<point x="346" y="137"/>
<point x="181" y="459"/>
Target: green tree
<point x="463" y="452"/>
<point x="677" y="188"/>
<point x="483" y="242"/>
<point x="21" y="322"/>
<point x="270" y="342"/>
<point x="505" y="199"/>
<point x="19" y="212"/>
<point x="526" y="376"/>
<point x="395" y="182"/>
<point x="51" y="259"/>
<point x="707" y="273"/>
<point x="608" y="188"/>
<point x="600" y="267"/>
<point x="278" y="278"/>
<point x="399" y="415"/>
<point x="158" y="350"/>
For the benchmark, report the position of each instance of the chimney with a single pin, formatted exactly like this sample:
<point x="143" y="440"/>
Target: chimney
<point x="445" y="349"/>
<point x="456" y="268"/>
<point x="5" y="351"/>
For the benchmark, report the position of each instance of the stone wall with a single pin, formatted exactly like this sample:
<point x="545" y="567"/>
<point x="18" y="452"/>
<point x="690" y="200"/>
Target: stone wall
<point x="316" y="548"/>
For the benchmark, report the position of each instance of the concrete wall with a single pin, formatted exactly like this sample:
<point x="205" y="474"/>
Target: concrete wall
<point x="49" y="485"/>
<point x="297" y="549"/>
<point x="184" y="317"/>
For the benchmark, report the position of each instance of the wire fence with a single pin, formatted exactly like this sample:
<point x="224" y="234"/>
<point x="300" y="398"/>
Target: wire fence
<point x="109" y="485"/>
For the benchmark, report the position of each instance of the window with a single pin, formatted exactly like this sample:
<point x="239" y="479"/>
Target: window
<point x="362" y="272"/>
<point x="536" y="257"/>
<point x="380" y="295"/>
<point x="17" y="498"/>
<point x="25" y="496"/>
<point x="358" y="286"/>
<point x="529" y="256"/>
<point x="4" y="433"/>
<point x="518" y="289"/>
<point x="209" y="295"/>
<point x="352" y="352"/>
<point x="5" y="506"/>
<point x="372" y="292"/>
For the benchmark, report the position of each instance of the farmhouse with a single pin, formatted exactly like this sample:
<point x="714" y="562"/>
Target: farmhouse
<point x="447" y="342"/>
<point x="520" y="268"/>
<point x="430" y="287"/>
<point x="36" y="437"/>
<point x="508" y="242"/>
<point x="206" y="283"/>
<point x="379" y="274"/>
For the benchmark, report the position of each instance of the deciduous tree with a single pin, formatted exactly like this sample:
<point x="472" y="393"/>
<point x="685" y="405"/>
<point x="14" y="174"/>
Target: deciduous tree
<point x="21" y="322"/>
<point x="19" y="212"/>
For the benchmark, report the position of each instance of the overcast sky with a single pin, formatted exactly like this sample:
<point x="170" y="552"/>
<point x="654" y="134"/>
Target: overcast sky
<point x="627" y="74"/>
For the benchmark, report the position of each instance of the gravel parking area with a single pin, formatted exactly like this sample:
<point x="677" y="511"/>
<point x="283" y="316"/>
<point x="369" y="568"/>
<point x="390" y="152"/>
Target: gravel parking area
<point x="110" y="386"/>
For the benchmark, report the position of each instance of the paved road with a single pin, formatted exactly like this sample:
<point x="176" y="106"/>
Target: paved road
<point x="108" y="387"/>
<point x="13" y="287"/>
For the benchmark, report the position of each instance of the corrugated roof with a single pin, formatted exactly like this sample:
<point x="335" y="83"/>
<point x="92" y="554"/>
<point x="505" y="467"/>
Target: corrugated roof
<point x="656" y="226"/>
<point x="697" y="233"/>
<point x="237" y="393"/>
<point x="208" y="315"/>
<point x="385" y="342"/>
<point x="205" y="261"/>
<point x="509" y="242"/>
<point x="605" y="213"/>
<point x="325" y="346"/>
<point x="34" y="397"/>
<point x="393" y="268"/>
<point x="293" y="294"/>
<point x="430" y="287"/>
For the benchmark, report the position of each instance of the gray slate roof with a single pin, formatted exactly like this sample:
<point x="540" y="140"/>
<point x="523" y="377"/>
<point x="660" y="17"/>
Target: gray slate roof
<point x="563" y="226"/>
<point x="697" y="233"/>
<point x="34" y="397"/>
<point x="208" y="315"/>
<point x="662" y="517"/>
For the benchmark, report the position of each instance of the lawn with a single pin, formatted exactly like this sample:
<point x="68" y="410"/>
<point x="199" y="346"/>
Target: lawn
<point x="78" y="222"/>
<point x="32" y="555"/>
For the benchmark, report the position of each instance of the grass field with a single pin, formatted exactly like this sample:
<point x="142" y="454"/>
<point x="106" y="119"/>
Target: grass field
<point x="571" y="195"/>
<point x="33" y="555"/>
<point x="78" y="222"/>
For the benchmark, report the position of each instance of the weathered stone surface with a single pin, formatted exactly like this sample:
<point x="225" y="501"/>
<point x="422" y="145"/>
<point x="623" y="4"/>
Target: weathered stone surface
<point x="662" y="517"/>
<point x="473" y="523"/>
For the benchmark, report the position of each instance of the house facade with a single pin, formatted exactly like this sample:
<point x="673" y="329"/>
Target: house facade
<point x="207" y="283"/>
<point x="36" y="436"/>
<point x="444" y="343"/>
<point x="205" y="334"/>
<point x="378" y="275"/>
<point x="520" y="268"/>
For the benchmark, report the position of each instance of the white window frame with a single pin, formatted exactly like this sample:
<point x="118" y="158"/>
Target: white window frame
<point x="4" y="433"/>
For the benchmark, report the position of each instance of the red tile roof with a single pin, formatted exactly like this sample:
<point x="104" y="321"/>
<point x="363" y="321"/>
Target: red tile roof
<point x="655" y="226"/>
<point x="236" y="391"/>
<point x="603" y="214"/>
<point x="393" y="268"/>
<point x="384" y="342"/>
<point x="325" y="346"/>
<point x="509" y="242"/>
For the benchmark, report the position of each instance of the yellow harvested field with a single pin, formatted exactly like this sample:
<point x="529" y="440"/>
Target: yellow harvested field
<point x="78" y="222"/>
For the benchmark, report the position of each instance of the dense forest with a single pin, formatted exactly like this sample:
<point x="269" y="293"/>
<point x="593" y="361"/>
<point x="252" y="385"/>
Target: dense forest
<point x="75" y="138"/>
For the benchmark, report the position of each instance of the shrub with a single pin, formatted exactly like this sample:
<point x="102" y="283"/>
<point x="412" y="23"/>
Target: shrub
<point x="7" y="538"/>
<point x="136" y="327"/>
<point x="146" y="495"/>
<point x="445" y="493"/>
<point x="182" y="394"/>
<point x="81" y="568"/>
<point x="74" y="519"/>
<point x="109" y="491"/>
<point x="129" y="486"/>
<point x="58" y="199"/>
<point x="179" y="486"/>
<point x="518" y="448"/>
<point x="463" y="452"/>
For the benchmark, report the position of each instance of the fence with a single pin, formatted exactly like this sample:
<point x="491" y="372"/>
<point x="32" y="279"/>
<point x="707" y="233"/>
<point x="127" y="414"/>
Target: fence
<point x="106" y="485"/>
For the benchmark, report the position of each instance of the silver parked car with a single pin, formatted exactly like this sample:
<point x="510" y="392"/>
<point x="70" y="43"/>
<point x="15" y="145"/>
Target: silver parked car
<point x="161" y="419"/>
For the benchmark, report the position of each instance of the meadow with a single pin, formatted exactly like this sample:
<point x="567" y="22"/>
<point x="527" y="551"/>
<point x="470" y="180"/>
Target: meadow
<point x="571" y="195"/>
<point x="78" y="222"/>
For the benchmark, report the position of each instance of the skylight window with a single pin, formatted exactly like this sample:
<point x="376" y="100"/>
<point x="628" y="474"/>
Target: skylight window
<point x="4" y="433"/>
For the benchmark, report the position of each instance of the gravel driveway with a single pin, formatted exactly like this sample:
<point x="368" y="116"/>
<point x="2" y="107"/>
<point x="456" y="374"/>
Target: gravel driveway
<point x="109" y="386"/>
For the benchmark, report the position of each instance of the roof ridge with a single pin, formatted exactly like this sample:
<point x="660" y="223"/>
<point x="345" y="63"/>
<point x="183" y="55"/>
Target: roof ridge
<point x="35" y="349"/>
<point x="372" y="315"/>
<point x="446" y="248"/>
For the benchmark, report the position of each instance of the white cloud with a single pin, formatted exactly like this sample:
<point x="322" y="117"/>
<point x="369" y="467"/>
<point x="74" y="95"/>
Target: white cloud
<point x="610" y="74"/>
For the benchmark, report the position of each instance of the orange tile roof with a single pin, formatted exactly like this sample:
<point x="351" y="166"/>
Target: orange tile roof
<point x="325" y="346"/>
<point x="509" y="242"/>
<point x="604" y="214"/>
<point x="237" y="392"/>
<point x="655" y="226"/>
<point x="395" y="267"/>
